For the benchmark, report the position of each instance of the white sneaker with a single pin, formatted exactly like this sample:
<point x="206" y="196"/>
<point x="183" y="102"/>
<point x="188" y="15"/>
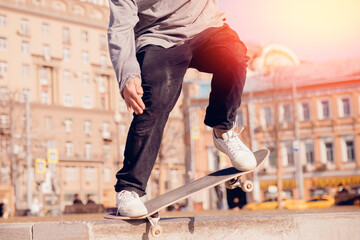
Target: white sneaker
<point x="240" y="155"/>
<point x="129" y="204"/>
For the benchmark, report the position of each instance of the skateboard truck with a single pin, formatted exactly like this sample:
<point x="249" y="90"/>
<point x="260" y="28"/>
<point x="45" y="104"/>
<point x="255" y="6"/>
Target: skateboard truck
<point x="155" y="229"/>
<point x="245" y="185"/>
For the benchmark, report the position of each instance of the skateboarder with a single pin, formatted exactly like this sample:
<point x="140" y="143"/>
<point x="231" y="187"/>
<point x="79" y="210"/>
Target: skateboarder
<point x="152" y="43"/>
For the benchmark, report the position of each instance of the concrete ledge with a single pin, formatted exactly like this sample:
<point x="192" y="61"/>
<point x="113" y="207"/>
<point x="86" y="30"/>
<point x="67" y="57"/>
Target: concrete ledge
<point x="329" y="226"/>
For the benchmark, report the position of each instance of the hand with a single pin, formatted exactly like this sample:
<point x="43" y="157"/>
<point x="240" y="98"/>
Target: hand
<point x="132" y="93"/>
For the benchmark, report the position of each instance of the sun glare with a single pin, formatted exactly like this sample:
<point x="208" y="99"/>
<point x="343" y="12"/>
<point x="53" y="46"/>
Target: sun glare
<point x="319" y="26"/>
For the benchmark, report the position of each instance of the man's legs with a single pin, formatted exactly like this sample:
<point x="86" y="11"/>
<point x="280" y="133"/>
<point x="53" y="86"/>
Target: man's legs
<point x="220" y="51"/>
<point x="162" y="72"/>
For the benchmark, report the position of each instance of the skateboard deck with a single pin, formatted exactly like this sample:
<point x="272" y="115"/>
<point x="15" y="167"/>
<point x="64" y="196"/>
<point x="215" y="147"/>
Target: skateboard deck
<point x="156" y="204"/>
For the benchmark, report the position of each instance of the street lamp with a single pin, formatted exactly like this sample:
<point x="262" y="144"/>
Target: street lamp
<point x="117" y="119"/>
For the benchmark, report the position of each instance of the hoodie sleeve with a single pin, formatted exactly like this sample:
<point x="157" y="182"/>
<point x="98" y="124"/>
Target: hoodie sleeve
<point x="121" y="40"/>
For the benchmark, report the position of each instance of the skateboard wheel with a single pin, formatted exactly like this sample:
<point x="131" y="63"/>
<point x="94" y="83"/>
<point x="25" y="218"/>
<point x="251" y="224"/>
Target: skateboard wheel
<point x="156" y="231"/>
<point x="247" y="186"/>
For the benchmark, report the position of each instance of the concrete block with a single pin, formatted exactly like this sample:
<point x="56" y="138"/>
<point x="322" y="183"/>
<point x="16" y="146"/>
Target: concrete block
<point x="16" y="231"/>
<point x="332" y="226"/>
<point x="60" y="231"/>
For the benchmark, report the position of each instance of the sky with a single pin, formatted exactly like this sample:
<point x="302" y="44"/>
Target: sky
<point x="316" y="30"/>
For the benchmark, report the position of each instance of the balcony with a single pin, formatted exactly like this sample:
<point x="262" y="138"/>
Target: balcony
<point x="106" y="135"/>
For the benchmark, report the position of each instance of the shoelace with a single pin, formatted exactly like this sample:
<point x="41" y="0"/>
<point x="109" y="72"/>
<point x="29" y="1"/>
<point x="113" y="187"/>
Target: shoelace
<point x="126" y="196"/>
<point x="233" y="142"/>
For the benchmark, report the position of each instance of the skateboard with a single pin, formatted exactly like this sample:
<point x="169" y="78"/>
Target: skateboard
<point x="230" y="176"/>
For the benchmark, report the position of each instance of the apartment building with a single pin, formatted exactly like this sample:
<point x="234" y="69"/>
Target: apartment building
<point x="56" y="52"/>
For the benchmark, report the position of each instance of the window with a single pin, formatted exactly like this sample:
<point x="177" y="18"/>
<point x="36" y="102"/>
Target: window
<point x="87" y="127"/>
<point x="71" y="174"/>
<point x="324" y="110"/>
<point x="69" y="149"/>
<point x="101" y="81"/>
<point x="68" y="125"/>
<point x="107" y="174"/>
<point x="240" y="118"/>
<point x="266" y="116"/>
<point x="88" y="151"/>
<point x="44" y="76"/>
<point x="3" y="69"/>
<point x="84" y="36"/>
<point x="68" y="100"/>
<point x="305" y="111"/>
<point x="5" y="174"/>
<point x="102" y="40"/>
<point x="24" y="27"/>
<point x="347" y="148"/>
<point x="107" y="150"/>
<point x="103" y="61"/>
<point x="174" y="175"/>
<point x="48" y="123"/>
<point x="46" y="52"/>
<point x="289" y="154"/>
<point x="329" y="152"/>
<point x="272" y="157"/>
<point x="350" y="151"/>
<point x="2" y="20"/>
<point x="67" y="76"/>
<point x="85" y="57"/>
<point x="102" y="103"/>
<point x="286" y="113"/>
<point x="25" y="47"/>
<point x="309" y="153"/>
<point x="86" y="78"/>
<point x="66" y="54"/>
<point x="106" y="130"/>
<point x="4" y="121"/>
<point x="87" y="103"/>
<point x="66" y="35"/>
<point x="90" y="174"/>
<point x="50" y="144"/>
<point x="45" y="29"/>
<point x="4" y="95"/>
<point x="3" y="44"/>
<point x="45" y="97"/>
<point x="25" y="69"/>
<point x="345" y="107"/>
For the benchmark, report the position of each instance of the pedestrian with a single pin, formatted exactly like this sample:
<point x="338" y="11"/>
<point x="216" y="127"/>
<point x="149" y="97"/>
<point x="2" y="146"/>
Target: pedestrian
<point x="5" y="208"/>
<point x="90" y="199"/>
<point x="36" y="207"/>
<point x="152" y="44"/>
<point x="77" y="199"/>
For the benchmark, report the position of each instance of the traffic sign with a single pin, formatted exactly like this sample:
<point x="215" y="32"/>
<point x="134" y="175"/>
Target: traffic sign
<point x="52" y="156"/>
<point x="40" y="165"/>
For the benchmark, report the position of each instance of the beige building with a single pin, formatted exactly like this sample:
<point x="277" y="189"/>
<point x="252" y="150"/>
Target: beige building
<point x="57" y="52"/>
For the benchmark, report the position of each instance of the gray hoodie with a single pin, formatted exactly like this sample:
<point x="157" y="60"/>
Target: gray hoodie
<point x="136" y="23"/>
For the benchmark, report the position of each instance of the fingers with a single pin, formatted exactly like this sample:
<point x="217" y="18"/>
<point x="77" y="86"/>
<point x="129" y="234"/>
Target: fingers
<point x="132" y="95"/>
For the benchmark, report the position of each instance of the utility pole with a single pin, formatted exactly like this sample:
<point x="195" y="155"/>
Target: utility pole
<point x="279" y="182"/>
<point x="29" y="169"/>
<point x="251" y="124"/>
<point x="14" y="169"/>
<point x="296" y="146"/>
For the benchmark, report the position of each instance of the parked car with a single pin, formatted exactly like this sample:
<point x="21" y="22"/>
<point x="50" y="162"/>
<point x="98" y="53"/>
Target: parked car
<point x="272" y="203"/>
<point x="320" y="201"/>
<point x="348" y="197"/>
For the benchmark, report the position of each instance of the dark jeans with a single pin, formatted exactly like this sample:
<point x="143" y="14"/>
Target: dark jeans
<point x="215" y="50"/>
